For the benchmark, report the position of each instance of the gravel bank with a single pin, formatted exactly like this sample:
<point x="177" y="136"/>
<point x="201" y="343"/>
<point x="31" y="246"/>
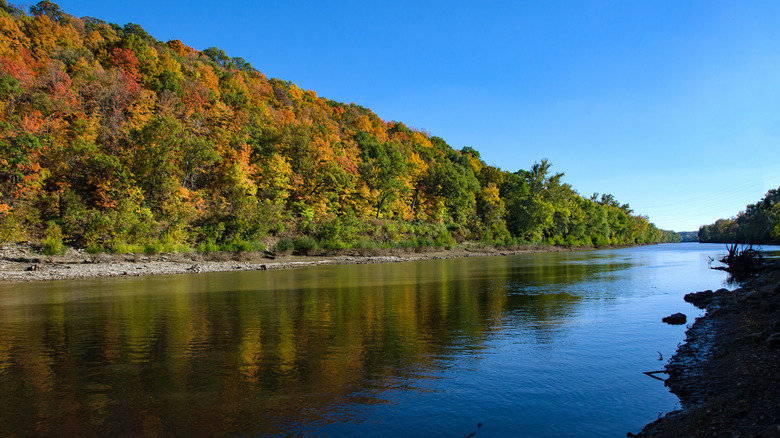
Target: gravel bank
<point x="22" y="263"/>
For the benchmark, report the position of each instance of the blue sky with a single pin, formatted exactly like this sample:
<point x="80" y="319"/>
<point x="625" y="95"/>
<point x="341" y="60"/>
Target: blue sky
<point x="671" y="106"/>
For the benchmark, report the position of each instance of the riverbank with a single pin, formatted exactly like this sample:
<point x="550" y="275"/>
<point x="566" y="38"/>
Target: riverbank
<point x="727" y="373"/>
<point x="24" y="263"/>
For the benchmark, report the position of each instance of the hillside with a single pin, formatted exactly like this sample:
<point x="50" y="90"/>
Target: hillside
<point x="113" y="141"/>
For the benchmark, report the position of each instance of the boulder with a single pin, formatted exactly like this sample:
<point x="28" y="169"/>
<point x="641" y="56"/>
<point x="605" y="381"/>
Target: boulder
<point x="700" y="299"/>
<point x="675" y="319"/>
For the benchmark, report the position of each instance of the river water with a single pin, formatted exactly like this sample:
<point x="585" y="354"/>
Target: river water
<point x="536" y="345"/>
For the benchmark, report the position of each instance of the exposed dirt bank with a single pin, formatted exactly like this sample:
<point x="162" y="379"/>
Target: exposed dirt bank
<point x="727" y="373"/>
<point x="22" y="263"/>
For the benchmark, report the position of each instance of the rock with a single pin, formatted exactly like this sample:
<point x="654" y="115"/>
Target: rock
<point x="749" y="296"/>
<point x="755" y="338"/>
<point x="700" y="299"/>
<point x="675" y="319"/>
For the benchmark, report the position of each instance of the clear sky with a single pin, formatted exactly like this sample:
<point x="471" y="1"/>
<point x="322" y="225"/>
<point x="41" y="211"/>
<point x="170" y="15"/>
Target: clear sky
<point x="671" y="106"/>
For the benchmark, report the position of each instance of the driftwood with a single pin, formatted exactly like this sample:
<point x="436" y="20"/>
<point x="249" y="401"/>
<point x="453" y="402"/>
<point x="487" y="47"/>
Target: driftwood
<point x="653" y="374"/>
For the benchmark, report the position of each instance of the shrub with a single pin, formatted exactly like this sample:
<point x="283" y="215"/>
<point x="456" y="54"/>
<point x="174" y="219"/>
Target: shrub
<point x="208" y="247"/>
<point x="213" y="233"/>
<point x="174" y="240"/>
<point x="305" y="244"/>
<point x="97" y="229"/>
<point x="444" y="238"/>
<point x="10" y="229"/>
<point x="95" y="249"/>
<point x="284" y="244"/>
<point x="52" y="244"/>
<point x="365" y="243"/>
<point x="329" y="234"/>
<point x="236" y="243"/>
<point x="154" y="247"/>
<point x="119" y="246"/>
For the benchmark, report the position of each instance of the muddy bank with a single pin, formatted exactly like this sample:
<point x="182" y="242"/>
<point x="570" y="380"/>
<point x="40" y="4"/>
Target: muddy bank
<point x="727" y="373"/>
<point x="22" y="263"/>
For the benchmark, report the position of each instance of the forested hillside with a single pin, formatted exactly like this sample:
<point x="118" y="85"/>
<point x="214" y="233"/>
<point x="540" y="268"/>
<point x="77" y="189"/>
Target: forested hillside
<point x="112" y="140"/>
<point x="759" y="223"/>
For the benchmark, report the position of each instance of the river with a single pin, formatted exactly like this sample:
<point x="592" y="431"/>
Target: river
<point x="536" y="345"/>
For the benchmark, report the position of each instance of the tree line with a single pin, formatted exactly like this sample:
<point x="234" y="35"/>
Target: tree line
<point x="113" y="141"/>
<point x="759" y="223"/>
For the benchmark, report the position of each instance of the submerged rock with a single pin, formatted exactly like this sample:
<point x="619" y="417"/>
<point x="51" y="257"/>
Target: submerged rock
<point x="675" y="319"/>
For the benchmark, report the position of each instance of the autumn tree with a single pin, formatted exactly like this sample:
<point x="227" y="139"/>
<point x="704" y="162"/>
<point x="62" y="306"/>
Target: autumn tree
<point x="126" y="143"/>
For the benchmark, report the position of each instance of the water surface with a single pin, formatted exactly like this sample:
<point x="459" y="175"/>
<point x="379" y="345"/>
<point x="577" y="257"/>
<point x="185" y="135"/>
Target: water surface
<point x="528" y="345"/>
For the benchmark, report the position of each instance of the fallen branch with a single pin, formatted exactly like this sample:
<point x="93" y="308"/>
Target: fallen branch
<point x="653" y="374"/>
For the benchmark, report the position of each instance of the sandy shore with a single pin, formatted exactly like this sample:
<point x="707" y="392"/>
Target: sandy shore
<point x="22" y="263"/>
<point x="727" y="373"/>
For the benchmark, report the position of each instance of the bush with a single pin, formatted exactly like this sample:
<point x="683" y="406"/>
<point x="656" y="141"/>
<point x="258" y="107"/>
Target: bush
<point x="444" y="238"/>
<point x="305" y="244"/>
<point x="53" y="242"/>
<point x="95" y="249"/>
<point x="365" y="243"/>
<point x="174" y="240"/>
<point x="11" y="229"/>
<point x="208" y="247"/>
<point x="284" y="244"/>
<point x="329" y="234"/>
<point x="97" y="230"/>
<point x="154" y="247"/>
<point x="119" y="246"/>
<point x="212" y="233"/>
<point x="236" y="243"/>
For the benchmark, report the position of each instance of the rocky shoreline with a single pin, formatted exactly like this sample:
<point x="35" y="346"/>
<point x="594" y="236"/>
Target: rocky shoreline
<point x="727" y="372"/>
<point x="24" y="263"/>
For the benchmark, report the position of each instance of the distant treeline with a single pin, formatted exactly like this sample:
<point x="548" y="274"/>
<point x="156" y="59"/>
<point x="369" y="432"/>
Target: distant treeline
<point x="758" y="224"/>
<point x="113" y="141"/>
<point x="689" y="236"/>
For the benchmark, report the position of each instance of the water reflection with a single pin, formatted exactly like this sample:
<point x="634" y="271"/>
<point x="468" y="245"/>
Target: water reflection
<point x="270" y="353"/>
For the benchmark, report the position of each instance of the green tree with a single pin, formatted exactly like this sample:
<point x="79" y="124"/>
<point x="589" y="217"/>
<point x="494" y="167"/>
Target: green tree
<point x="382" y="169"/>
<point x="49" y="9"/>
<point x="452" y="181"/>
<point x="157" y="150"/>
